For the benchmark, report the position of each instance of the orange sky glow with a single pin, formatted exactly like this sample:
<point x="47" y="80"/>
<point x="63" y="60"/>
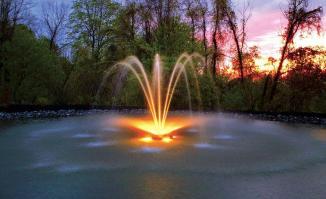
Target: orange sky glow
<point x="264" y="30"/>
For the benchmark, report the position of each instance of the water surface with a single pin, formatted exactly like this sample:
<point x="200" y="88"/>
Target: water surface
<point x="225" y="157"/>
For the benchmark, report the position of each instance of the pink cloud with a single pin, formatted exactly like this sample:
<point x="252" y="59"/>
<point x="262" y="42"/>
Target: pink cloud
<point x="264" y="29"/>
<point x="266" y="22"/>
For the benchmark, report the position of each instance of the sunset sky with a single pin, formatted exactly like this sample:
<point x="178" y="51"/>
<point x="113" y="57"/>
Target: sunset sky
<point x="266" y="22"/>
<point x="264" y="26"/>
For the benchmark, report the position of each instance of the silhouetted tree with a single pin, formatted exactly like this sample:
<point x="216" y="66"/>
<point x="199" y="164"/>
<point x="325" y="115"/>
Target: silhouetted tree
<point x="33" y="71"/>
<point x="304" y="78"/>
<point x="218" y="15"/>
<point x="203" y="10"/>
<point x="146" y="19"/>
<point x="238" y="32"/>
<point x="54" y="18"/>
<point x="267" y="81"/>
<point x="11" y="13"/>
<point x="192" y="14"/>
<point x="298" y="18"/>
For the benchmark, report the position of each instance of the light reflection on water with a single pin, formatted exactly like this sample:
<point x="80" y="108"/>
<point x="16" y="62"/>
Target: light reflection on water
<point x="222" y="153"/>
<point x="320" y="134"/>
<point x="159" y="186"/>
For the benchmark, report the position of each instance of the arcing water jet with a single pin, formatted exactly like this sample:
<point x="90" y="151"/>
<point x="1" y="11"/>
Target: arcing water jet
<point x="158" y="99"/>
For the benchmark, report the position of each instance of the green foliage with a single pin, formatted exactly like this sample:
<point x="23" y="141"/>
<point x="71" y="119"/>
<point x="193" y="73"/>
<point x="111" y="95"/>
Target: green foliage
<point x="233" y="98"/>
<point x="209" y="93"/>
<point x="83" y="83"/>
<point x="33" y="73"/>
<point x="172" y="40"/>
<point x="103" y="32"/>
<point x="91" y="24"/>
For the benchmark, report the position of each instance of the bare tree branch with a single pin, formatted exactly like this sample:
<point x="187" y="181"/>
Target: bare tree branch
<point x="54" y="18"/>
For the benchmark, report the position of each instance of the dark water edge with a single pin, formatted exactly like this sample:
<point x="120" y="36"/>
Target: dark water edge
<point x="25" y="112"/>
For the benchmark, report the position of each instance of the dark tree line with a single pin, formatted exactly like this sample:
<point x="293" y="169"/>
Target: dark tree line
<point x="65" y="63"/>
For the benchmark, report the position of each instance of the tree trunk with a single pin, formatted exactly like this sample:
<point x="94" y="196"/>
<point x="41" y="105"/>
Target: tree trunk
<point x="193" y="29"/>
<point x="215" y="53"/>
<point x="265" y="91"/>
<point x="238" y="47"/>
<point x="239" y="53"/>
<point x="279" y="70"/>
<point x="204" y="37"/>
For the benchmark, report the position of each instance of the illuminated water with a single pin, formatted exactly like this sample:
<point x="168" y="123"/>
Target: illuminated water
<point x="157" y="91"/>
<point x="88" y="157"/>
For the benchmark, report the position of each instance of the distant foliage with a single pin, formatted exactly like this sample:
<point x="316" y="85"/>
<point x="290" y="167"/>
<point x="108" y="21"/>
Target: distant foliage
<point x="33" y="74"/>
<point x="66" y="64"/>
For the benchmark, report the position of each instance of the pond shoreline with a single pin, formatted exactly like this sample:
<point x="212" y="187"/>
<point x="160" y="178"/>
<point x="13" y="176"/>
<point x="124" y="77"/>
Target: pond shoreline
<point x="25" y="112"/>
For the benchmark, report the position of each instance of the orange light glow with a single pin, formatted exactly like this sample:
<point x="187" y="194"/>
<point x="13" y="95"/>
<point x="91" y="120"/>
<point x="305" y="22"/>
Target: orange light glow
<point x="158" y="96"/>
<point x="146" y="125"/>
<point x="146" y="139"/>
<point x="167" y="139"/>
<point x="149" y="139"/>
<point x="158" y="102"/>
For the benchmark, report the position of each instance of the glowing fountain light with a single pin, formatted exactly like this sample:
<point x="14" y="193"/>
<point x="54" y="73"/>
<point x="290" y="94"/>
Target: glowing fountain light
<point x="158" y="99"/>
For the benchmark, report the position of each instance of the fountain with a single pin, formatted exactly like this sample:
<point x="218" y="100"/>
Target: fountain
<point x="225" y="155"/>
<point x="157" y="98"/>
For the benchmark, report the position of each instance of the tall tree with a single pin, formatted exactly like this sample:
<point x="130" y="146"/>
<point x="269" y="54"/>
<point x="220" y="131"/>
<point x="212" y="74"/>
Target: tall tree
<point x="91" y="22"/>
<point x="191" y="12"/>
<point x="130" y="12"/>
<point x="11" y="13"/>
<point x="203" y="10"/>
<point x="33" y="71"/>
<point x="238" y="32"/>
<point x="166" y="18"/>
<point x="146" y="19"/>
<point x="305" y="78"/>
<point x="299" y="17"/>
<point x="125" y="31"/>
<point x="54" y="18"/>
<point x="218" y="16"/>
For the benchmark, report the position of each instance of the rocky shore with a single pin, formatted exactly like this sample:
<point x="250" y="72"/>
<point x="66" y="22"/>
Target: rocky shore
<point x="316" y="119"/>
<point x="303" y="118"/>
<point x="40" y="114"/>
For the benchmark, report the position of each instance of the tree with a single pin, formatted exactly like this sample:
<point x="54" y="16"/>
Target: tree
<point x="146" y="19"/>
<point x="248" y="87"/>
<point x="192" y="13"/>
<point x="305" y="78"/>
<point x="130" y="14"/>
<point x="54" y="18"/>
<point x="166" y="19"/>
<point x="298" y="18"/>
<point x="267" y="80"/>
<point x="130" y="36"/>
<point x="33" y="72"/>
<point x="218" y="17"/>
<point x="249" y="62"/>
<point x="125" y="25"/>
<point x="238" y="32"/>
<point x="91" y="24"/>
<point x="12" y="13"/>
<point x="203" y="10"/>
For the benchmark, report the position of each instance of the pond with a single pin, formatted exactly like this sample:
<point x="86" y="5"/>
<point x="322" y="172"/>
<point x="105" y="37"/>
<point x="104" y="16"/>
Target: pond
<point x="225" y="157"/>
